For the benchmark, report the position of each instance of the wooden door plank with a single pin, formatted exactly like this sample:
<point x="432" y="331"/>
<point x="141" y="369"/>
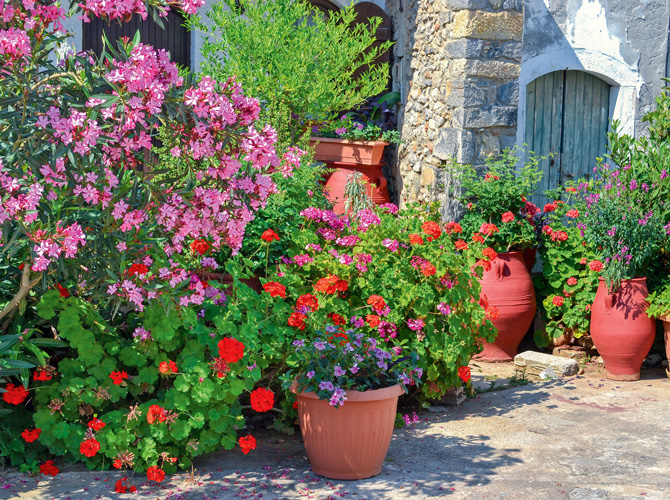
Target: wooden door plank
<point x="530" y="119"/>
<point x="554" y="171"/>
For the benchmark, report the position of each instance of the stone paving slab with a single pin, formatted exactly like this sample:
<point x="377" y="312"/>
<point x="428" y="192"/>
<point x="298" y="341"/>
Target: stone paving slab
<point x="580" y="438"/>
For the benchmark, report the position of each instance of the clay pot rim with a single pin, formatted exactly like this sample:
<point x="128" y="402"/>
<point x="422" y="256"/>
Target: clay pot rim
<point x="347" y="141"/>
<point x="630" y="280"/>
<point x="358" y="396"/>
<point x="516" y="254"/>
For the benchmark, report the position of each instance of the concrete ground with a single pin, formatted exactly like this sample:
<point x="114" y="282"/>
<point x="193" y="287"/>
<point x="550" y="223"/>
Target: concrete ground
<point x="581" y="438"/>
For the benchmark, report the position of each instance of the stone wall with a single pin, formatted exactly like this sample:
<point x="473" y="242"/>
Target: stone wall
<point x="456" y="65"/>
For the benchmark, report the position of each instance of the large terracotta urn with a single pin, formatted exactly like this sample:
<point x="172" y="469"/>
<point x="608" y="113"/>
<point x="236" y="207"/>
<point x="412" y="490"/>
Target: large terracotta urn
<point x="620" y="328"/>
<point x="372" y="176"/>
<point x="509" y="287"/>
<point x="351" y="441"/>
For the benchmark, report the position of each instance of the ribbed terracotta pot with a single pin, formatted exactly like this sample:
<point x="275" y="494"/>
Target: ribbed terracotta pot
<point x="509" y="287"/>
<point x="330" y="150"/>
<point x="375" y="186"/>
<point x="351" y="441"/>
<point x="620" y="328"/>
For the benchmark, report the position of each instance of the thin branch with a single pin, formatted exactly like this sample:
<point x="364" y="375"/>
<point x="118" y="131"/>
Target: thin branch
<point x="23" y="291"/>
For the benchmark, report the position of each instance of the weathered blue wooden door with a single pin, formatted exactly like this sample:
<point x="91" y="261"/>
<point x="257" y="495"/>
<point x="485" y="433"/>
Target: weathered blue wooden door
<point x="567" y="114"/>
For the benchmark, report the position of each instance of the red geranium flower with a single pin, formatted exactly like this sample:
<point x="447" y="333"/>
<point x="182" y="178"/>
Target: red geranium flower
<point x="596" y="266"/>
<point x="486" y="264"/>
<point x="275" y="289"/>
<point x="373" y="320"/>
<point x="464" y="373"/>
<point x="337" y="319"/>
<point x="461" y="245"/>
<point x="31" y="435"/>
<point x="428" y="269"/>
<point x="96" y="424"/>
<point x="231" y="350"/>
<point x="63" y="291"/>
<point x="118" y="377"/>
<point x="573" y="214"/>
<point x="491" y="178"/>
<point x="119" y="487"/>
<point x="488" y="229"/>
<point x="477" y="237"/>
<point x="297" y="320"/>
<point x="15" y="395"/>
<point x="377" y="302"/>
<point x="48" y="468"/>
<point x="269" y="235"/>
<point x="432" y="229"/>
<point x="155" y="413"/>
<point x="89" y="447"/>
<point x="262" y="399"/>
<point x="571" y="189"/>
<point x="138" y="269"/>
<point x="167" y="367"/>
<point x="492" y="312"/>
<point x="247" y="443"/>
<point x="41" y="375"/>
<point x="155" y="473"/>
<point x="572" y="281"/>
<point x="331" y="285"/>
<point x="415" y="239"/>
<point x="549" y="207"/>
<point x="557" y="301"/>
<point x="507" y="217"/>
<point x="307" y="300"/>
<point x="199" y="246"/>
<point x="453" y="227"/>
<point x="483" y="301"/>
<point x="490" y="253"/>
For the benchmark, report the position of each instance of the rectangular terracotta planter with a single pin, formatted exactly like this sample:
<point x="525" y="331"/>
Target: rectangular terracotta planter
<point x="344" y="151"/>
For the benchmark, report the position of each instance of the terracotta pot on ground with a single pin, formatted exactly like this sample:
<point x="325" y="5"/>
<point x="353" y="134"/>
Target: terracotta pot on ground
<point x="331" y="150"/>
<point x="666" y="336"/>
<point x="620" y="328"/>
<point x="508" y="286"/>
<point x="351" y="441"/>
<point x="376" y="184"/>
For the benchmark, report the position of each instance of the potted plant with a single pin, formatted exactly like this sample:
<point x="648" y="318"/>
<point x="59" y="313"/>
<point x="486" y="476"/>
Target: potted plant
<point x="347" y="388"/>
<point x="659" y="307"/>
<point x="623" y="222"/>
<point x="498" y="213"/>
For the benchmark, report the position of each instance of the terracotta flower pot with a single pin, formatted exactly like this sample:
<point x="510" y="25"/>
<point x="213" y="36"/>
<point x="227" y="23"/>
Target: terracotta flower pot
<point x="666" y="335"/>
<point x="351" y="441"/>
<point x="376" y="186"/>
<point x="330" y="150"/>
<point x="620" y="328"/>
<point x="508" y="287"/>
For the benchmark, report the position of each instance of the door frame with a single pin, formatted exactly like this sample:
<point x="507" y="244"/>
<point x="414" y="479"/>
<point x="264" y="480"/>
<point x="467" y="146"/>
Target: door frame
<point x="625" y="82"/>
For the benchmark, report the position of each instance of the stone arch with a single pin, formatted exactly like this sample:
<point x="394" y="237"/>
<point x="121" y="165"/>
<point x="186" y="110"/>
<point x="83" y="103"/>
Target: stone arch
<point x="625" y="81"/>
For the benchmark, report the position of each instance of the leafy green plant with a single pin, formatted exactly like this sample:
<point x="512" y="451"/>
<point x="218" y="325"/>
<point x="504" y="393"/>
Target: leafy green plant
<point x="300" y="64"/>
<point x="659" y="302"/>
<point x="355" y="193"/>
<point x="347" y="127"/>
<point x="567" y="285"/>
<point x="499" y="198"/>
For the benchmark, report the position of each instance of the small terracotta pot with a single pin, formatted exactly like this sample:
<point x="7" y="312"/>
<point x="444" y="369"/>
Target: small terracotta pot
<point x="508" y="286"/>
<point x="351" y="441"/>
<point x="620" y="328"/>
<point x="340" y="150"/>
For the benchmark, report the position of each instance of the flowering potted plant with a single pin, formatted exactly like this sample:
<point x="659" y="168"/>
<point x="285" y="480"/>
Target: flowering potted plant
<point x="347" y="388"/>
<point x="623" y="221"/>
<point x="499" y="215"/>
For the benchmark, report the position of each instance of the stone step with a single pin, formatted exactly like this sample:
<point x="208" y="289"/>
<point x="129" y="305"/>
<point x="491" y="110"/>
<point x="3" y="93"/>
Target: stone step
<point x="536" y="362"/>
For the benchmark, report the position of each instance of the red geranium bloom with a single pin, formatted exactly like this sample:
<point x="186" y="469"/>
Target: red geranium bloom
<point x="167" y="367"/>
<point x="298" y="320"/>
<point x="48" y="468"/>
<point x="477" y="237"/>
<point x="307" y="300"/>
<point x="461" y="245"/>
<point x="117" y="464"/>
<point x="89" y="447"/>
<point x="41" y="375"/>
<point x="63" y="291"/>
<point x="492" y="312"/>
<point x="483" y="301"/>
<point x="269" y="235"/>
<point x="119" y="487"/>
<point x="507" y="217"/>
<point x="491" y="178"/>
<point x="96" y="424"/>
<point x="340" y="335"/>
<point x="275" y="289"/>
<point x="557" y="301"/>
<point x="15" y="395"/>
<point x="488" y="229"/>
<point x="373" y="320"/>
<point x="490" y="253"/>
<point x="247" y="443"/>
<point x="572" y="281"/>
<point x="118" y="377"/>
<point x="231" y="350"/>
<point x="428" y="269"/>
<point x="377" y="302"/>
<point x="596" y="266"/>
<point x="453" y="227"/>
<point x="549" y="207"/>
<point x="155" y="473"/>
<point x="331" y="285"/>
<point x="199" y="246"/>
<point x="464" y="373"/>
<point x="31" y="435"/>
<point x="155" y="413"/>
<point x="432" y="229"/>
<point x="571" y="189"/>
<point x="337" y="319"/>
<point x="138" y="269"/>
<point x="415" y="239"/>
<point x="262" y="399"/>
<point x="573" y="214"/>
<point x="486" y="264"/>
